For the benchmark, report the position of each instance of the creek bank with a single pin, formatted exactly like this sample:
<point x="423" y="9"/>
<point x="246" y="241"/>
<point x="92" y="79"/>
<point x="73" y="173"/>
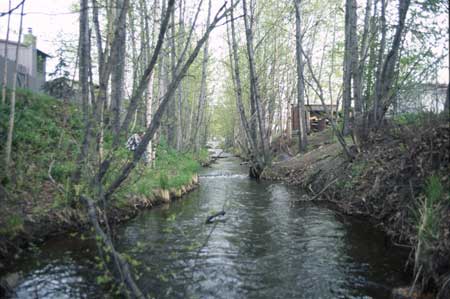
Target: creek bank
<point x="389" y="182"/>
<point x="38" y="227"/>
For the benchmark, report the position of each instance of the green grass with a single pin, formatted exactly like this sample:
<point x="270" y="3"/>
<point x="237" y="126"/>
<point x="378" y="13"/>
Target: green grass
<point x="11" y="225"/>
<point x="414" y="118"/>
<point x="39" y="124"/>
<point x="428" y="228"/>
<point x="428" y="221"/>
<point x="171" y="170"/>
<point x="37" y="129"/>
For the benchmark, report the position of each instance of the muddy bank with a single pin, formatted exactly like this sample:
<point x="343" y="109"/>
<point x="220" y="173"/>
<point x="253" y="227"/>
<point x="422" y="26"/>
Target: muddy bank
<point x="38" y="227"/>
<point x="389" y="182"/>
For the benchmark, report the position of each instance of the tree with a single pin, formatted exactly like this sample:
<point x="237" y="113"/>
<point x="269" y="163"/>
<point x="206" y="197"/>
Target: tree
<point x="302" y="132"/>
<point x="13" y="95"/>
<point x="384" y="82"/>
<point x="118" y="75"/>
<point x="100" y="191"/>
<point x="203" y="89"/>
<point x="255" y="99"/>
<point x="5" y="69"/>
<point x="350" y="63"/>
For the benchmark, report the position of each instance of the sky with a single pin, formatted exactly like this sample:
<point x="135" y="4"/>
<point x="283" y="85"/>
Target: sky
<point x="47" y="18"/>
<point x="53" y="21"/>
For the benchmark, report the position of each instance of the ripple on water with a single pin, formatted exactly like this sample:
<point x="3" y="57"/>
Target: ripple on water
<point x="262" y="248"/>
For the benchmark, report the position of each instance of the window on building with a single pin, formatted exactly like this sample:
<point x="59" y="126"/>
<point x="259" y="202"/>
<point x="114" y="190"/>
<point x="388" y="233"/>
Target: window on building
<point x="40" y="64"/>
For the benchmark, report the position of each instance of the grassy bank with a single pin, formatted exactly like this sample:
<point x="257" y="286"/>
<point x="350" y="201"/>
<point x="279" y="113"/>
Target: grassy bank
<point x="46" y="143"/>
<point x="399" y="180"/>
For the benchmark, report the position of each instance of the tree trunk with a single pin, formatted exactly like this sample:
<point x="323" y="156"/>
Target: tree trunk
<point x="13" y="95"/>
<point x="350" y="26"/>
<point x="83" y="73"/>
<point x="385" y="83"/>
<point x="130" y="165"/>
<point x="203" y="89"/>
<point x="254" y="92"/>
<point x="235" y="66"/>
<point x="118" y="75"/>
<point x="377" y="93"/>
<point x="5" y="69"/>
<point x="302" y="128"/>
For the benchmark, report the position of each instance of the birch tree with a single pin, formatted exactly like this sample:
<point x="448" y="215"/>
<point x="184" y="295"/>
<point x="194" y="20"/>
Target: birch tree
<point x="13" y="94"/>
<point x="203" y="90"/>
<point x="118" y="74"/>
<point x="302" y="131"/>
<point x="99" y="190"/>
<point x="5" y="69"/>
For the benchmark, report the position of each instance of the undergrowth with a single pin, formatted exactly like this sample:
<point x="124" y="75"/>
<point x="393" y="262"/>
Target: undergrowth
<point x="171" y="170"/>
<point x="47" y="130"/>
<point x="38" y="128"/>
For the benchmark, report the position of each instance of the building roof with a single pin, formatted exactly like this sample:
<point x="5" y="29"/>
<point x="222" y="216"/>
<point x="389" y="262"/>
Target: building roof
<point x="43" y="53"/>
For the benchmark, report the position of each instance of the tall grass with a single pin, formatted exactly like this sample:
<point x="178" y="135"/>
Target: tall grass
<point x="428" y="221"/>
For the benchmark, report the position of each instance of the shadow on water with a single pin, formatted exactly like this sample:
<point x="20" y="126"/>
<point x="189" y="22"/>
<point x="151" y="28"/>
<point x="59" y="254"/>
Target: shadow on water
<point x="262" y="248"/>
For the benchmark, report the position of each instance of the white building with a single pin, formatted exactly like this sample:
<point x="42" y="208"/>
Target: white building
<point x="31" y="63"/>
<point x="422" y="97"/>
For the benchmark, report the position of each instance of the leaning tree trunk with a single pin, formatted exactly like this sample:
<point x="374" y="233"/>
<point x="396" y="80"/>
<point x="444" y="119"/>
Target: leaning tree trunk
<point x="13" y="96"/>
<point x="384" y="91"/>
<point x="302" y="126"/>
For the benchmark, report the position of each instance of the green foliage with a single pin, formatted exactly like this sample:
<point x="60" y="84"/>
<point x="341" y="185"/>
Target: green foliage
<point x="12" y="225"/>
<point x="434" y="190"/>
<point x="358" y="168"/>
<point x="408" y="118"/>
<point x="429" y="212"/>
<point x="171" y="170"/>
<point x="40" y="136"/>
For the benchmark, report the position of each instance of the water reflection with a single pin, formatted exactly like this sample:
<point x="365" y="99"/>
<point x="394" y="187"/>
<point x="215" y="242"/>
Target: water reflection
<point x="263" y="248"/>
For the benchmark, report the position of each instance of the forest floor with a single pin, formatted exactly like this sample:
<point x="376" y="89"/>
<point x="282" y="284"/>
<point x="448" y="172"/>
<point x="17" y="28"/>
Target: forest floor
<point x="399" y="180"/>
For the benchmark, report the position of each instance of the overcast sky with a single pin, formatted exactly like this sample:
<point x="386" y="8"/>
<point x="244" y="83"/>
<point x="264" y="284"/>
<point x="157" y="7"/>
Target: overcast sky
<point x="47" y="18"/>
<point x="52" y="20"/>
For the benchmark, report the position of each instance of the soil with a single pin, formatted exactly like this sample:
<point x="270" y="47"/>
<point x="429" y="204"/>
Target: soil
<point x="386" y="184"/>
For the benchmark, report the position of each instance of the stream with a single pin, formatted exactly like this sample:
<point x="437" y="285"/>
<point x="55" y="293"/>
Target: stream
<point x="263" y="247"/>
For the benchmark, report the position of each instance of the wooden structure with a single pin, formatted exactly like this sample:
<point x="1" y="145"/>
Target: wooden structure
<point x="315" y="117"/>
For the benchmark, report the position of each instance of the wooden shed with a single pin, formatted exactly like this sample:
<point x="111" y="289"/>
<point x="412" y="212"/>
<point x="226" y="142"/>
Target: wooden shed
<point x="315" y="116"/>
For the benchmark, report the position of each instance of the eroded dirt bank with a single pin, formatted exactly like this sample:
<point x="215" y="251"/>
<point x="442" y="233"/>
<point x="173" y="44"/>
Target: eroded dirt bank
<point x="38" y="227"/>
<point x="400" y="181"/>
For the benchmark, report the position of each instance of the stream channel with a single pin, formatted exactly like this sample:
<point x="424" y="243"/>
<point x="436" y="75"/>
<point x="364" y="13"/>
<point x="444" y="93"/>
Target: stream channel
<point x="264" y="247"/>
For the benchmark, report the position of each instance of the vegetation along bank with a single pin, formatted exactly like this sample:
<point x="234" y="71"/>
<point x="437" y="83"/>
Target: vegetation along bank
<point x="35" y="199"/>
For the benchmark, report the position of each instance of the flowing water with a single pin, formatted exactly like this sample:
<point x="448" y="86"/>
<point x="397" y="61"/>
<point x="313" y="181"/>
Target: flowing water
<point x="264" y="247"/>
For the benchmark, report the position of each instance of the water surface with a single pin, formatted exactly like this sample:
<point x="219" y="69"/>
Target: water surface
<point x="264" y="247"/>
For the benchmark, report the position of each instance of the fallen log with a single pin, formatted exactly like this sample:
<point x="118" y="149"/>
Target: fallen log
<point x="210" y="219"/>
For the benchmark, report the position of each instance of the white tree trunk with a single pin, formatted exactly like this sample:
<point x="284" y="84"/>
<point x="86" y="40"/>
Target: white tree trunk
<point x="13" y="96"/>
<point x="5" y="69"/>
